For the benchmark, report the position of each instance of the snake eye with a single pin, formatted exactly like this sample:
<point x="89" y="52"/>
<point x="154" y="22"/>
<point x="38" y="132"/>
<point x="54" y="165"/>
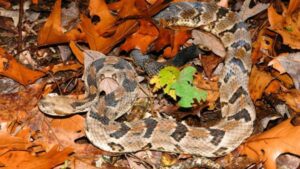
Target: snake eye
<point x="102" y="76"/>
<point x="114" y="76"/>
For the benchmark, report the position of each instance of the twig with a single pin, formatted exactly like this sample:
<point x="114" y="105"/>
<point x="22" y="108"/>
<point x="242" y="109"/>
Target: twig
<point x="20" y="25"/>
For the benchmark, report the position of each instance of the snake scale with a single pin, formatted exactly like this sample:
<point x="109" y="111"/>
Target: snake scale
<point x="238" y="113"/>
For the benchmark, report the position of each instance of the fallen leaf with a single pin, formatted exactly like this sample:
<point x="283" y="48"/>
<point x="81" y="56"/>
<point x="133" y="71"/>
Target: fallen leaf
<point x="11" y="68"/>
<point x="267" y="146"/>
<point x="291" y="98"/>
<point x="14" y="143"/>
<point x="142" y="38"/>
<point x="289" y="63"/>
<point x="210" y="63"/>
<point x="23" y="159"/>
<point x="258" y="81"/>
<point x="178" y="39"/>
<point x="184" y="88"/>
<point x="165" y="78"/>
<point x="286" y="24"/>
<point x="52" y="31"/>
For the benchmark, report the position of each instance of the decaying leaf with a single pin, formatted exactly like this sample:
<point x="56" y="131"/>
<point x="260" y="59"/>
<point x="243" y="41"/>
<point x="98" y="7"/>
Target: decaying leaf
<point x="267" y="146"/>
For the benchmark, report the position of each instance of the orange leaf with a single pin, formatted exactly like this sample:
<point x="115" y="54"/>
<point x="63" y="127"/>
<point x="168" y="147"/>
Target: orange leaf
<point x="291" y="98"/>
<point x="179" y="38"/>
<point x="287" y="25"/>
<point x="164" y="38"/>
<point x="100" y="9"/>
<point x="8" y="143"/>
<point x="127" y="8"/>
<point x="77" y="52"/>
<point x="267" y="146"/>
<point x="11" y="68"/>
<point x="52" y="32"/>
<point x="103" y="44"/>
<point x="142" y="38"/>
<point x="258" y="81"/>
<point x="22" y="159"/>
<point x="293" y="5"/>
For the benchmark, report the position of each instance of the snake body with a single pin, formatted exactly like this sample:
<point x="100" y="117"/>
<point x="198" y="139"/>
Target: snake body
<point x="238" y="113"/>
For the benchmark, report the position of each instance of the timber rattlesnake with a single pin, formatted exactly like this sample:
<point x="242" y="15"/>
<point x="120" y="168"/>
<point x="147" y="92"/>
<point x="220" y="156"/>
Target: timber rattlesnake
<point x="238" y="113"/>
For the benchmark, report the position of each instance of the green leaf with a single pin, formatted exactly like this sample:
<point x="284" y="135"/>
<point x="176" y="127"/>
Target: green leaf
<point x="185" y="89"/>
<point x="187" y="74"/>
<point x="188" y="93"/>
<point x="178" y="83"/>
<point x="165" y="78"/>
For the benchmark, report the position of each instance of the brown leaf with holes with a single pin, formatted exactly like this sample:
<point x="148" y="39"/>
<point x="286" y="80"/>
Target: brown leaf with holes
<point x="11" y="68"/>
<point x="24" y="159"/>
<point x="100" y="9"/>
<point x="267" y="146"/>
<point x="258" y="81"/>
<point x="142" y="38"/>
<point x="287" y="24"/>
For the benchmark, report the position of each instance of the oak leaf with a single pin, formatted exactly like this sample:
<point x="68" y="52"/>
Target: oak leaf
<point x="11" y="68"/>
<point x="267" y="146"/>
<point x="142" y="38"/>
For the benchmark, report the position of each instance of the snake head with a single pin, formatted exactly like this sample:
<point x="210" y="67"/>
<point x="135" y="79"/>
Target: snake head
<point x="57" y="105"/>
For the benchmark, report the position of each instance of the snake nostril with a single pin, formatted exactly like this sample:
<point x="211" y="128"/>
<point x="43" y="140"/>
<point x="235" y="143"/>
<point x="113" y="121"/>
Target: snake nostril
<point x="102" y="93"/>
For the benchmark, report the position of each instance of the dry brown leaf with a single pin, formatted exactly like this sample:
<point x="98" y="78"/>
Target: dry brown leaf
<point x="142" y="38"/>
<point x="23" y="159"/>
<point x="99" y="43"/>
<point x="107" y="20"/>
<point x="16" y="143"/>
<point x="258" y="81"/>
<point x="24" y="101"/>
<point x="164" y="38"/>
<point x="210" y="63"/>
<point x="128" y="8"/>
<point x="287" y="24"/>
<point x="177" y="40"/>
<point x="292" y="98"/>
<point x="211" y="86"/>
<point x="290" y="63"/>
<point x="267" y="146"/>
<point x="264" y="45"/>
<point x="11" y="68"/>
<point x="52" y="31"/>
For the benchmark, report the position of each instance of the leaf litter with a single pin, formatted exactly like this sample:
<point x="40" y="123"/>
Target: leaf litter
<point x="29" y="139"/>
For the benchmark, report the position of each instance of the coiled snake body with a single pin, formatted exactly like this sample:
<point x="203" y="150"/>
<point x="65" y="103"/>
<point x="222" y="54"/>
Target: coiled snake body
<point x="238" y="112"/>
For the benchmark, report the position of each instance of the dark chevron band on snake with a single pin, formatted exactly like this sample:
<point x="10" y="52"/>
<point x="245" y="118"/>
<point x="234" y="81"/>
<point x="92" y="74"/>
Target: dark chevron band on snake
<point x="238" y="113"/>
